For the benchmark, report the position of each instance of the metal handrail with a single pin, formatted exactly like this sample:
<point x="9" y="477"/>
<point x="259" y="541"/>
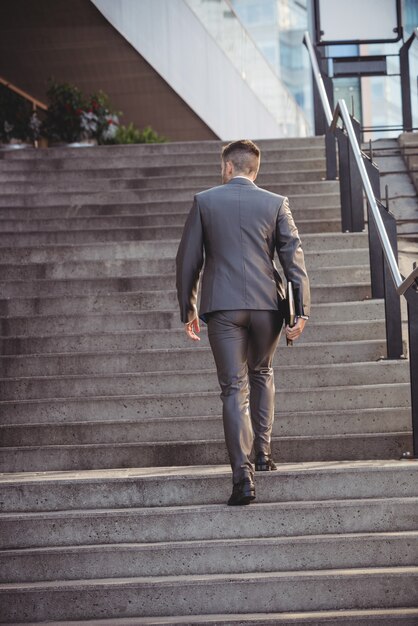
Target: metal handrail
<point x="341" y="111"/>
<point x="318" y="78"/>
<point x="35" y="102"/>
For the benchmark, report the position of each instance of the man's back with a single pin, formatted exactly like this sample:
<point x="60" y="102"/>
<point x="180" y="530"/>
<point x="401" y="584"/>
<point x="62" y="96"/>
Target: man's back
<point x="238" y="221"/>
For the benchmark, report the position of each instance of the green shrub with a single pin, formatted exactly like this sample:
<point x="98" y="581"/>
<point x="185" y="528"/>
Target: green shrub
<point x="131" y="134"/>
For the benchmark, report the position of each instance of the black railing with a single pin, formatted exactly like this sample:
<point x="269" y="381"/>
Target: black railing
<point x="358" y="174"/>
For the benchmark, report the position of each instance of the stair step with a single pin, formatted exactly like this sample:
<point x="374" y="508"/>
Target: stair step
<point x="188" y="380"/>
<point x="224" y="556"/>
<point x="118" y="268"/>
<point x="136" y="218"/>
<point x="277" y="591"/>
<point x="80" y="491"/>
<point x="27" y="213"/>
<point x="177" y="152"/>
<point x="53" y="363"/>
<point x="166" y="249"/>
<point x="74" y="286"/>
<point x="211" y="521"/>
<point x="170" y="173"/>
<point x="49" y="331"/>
<point x="340" y="447"/>
<point x="350" y="617"/>
<point x="187" y="404"/>
<point x="113" y="183"/>
<point x="321" y="197"/>
<point x="203" y="428"/>
<point x="149" y="300"/>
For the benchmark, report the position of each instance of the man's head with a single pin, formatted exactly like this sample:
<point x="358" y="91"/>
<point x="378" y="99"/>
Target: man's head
<point x="240" y="158"/>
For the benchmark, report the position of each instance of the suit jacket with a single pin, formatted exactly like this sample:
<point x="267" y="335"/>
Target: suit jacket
<point x="235" y="229"/>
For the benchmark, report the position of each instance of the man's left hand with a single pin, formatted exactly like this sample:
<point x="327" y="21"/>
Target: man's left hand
<point x="192" y="328"/>
<point x="295" y="331"/>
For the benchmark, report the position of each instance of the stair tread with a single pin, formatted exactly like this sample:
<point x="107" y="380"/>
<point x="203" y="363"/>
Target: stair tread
<point x="211" y="543"/>
<point x="202" y="471"/>
<point x="257" y="619"/>
<point x="197" y="579"/>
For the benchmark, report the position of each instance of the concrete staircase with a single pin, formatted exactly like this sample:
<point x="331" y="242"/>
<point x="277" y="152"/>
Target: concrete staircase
<point x="114" y="467"/>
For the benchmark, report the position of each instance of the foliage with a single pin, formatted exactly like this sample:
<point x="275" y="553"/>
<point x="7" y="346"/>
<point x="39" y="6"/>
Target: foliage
<point x="15" y="115"/>
<point x="107" y="118"/>
<point x="66" y="104"/>
<point x="71" y="117"/>
<point x="131" y="134"/>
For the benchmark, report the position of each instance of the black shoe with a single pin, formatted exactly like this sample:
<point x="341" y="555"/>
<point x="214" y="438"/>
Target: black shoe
<point x="264" y="463"/>
<point x="242" y="492"/>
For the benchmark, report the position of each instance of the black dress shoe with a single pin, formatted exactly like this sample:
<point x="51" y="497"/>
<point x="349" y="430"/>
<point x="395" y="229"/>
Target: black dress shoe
<point x="242" y="493"/>
<point x="264" y="463"/>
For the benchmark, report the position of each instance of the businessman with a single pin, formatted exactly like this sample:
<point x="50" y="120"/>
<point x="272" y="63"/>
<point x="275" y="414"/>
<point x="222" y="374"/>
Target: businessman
<point x="235" y="228"/>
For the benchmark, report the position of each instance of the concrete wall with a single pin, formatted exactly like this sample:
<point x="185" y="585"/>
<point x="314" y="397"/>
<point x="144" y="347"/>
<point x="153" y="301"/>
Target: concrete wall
<point x="175" y="43"/>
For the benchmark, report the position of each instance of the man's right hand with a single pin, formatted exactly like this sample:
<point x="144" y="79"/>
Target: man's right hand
<point x="192" y="328"/>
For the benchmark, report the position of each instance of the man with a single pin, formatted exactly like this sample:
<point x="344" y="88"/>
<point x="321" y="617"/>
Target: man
<point x="236" y="228"/>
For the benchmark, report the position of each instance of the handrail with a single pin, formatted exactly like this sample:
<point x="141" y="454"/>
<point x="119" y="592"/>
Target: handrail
<point x="341" y="111"/>
<point x="318" y="77"/>
<point x="35" y="102"/>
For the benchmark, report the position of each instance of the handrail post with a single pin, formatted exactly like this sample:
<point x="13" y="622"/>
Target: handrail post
<point x="411" y="295"/>
<point x="375" y="248"/>
<point x="394" y="343"/>
<point x="351" y="191"/>
<point x="356" y="187"/>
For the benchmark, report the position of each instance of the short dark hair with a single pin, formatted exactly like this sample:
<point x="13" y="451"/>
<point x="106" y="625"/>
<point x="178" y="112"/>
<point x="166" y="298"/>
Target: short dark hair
<point x="244" y="155"/>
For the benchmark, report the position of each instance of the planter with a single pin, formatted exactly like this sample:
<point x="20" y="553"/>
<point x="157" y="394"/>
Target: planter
<point x="15" y="145"/>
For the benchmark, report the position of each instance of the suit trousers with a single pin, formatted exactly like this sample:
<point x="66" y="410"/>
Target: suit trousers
<point x="243" y="343"/>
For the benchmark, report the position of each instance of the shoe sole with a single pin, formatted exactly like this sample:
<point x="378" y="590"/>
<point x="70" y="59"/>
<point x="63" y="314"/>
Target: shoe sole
<point x="245" y="499"/>
<point x="265" y="468"/>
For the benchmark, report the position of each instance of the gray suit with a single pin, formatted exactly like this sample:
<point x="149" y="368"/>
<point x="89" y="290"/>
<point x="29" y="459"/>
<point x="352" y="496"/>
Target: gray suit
<point x="235" y="229"/>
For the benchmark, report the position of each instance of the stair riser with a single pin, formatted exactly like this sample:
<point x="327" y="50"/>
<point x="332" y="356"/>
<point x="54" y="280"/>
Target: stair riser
<point x="169" y="174"/>
<point x="152" y="165"/>
<point x="128" y="488"/>
<point x="205" y="428"/>
<point x="159" y="183"/>
<point x="149" y="250"/>
<point x="217" y="522"/>
<point x="256" y="556"/>
<point x="86" y="409"/>
<point x="320" y="198"/>
<point x="115" y="211"/>
<point x="327" y="261"/>
<point x="274" y="593"/>
<point x="171" y="382"/>
<point x="151" y="233"/>
<point x="97" y="364"/>
<point x="137" y="339"/>
<point x="76" y="287"/>
<point x="295" y="450"/>
<point x="136" y="218"/>
<point x="143" y="155"/>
